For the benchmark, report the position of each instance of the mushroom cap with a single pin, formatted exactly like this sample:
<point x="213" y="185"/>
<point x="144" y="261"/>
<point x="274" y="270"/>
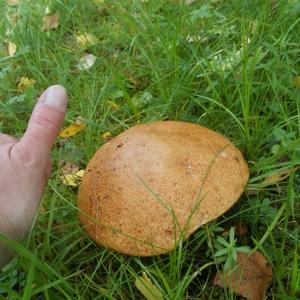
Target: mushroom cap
<point x="156" y="183"/>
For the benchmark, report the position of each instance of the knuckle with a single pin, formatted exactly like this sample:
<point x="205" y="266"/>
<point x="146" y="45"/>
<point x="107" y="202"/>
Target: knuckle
<point x="7" y="139"/>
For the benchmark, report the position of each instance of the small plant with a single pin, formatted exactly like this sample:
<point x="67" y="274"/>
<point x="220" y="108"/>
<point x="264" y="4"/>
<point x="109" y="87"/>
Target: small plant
<point x="282" y="139"/>
<point x="227" y="250"/>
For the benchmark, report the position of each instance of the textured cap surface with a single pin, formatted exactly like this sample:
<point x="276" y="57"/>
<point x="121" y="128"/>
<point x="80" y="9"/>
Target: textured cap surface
<point x="157" y="182"/>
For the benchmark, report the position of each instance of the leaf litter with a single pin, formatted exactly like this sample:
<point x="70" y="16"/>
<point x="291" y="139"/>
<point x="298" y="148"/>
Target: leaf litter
<point x="86" y="62"/>
<point x="50" y="22"/>
<point x="86" y="39"/>
<point x="72" y="129"/>
<point x="278" y="175"/>
<point x="250" y="278"/>
<point x="71" y="175"/>
<point x="24" y="83"/>
<point x="11" y="48"/>
<point x="72" y="179"/>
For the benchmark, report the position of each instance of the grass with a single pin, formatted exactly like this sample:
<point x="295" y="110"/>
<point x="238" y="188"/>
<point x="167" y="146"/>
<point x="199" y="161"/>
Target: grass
<point x="227" y="65"/>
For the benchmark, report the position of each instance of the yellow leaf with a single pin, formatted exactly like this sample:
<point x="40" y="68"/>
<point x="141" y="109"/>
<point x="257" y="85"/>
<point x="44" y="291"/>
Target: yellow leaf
<point x="296" y="82"/>
<point x="71" y="130"/>
<point x="278" y="176"/>
<point x="113" y="105"/>
<point x="24" y="83"/>
<point x="50" y="22"/>
<point x="11" y="48"/>
<point x="106" y="135"/>
<point x="147" y="288"/>
<point x="86" y="39"/>
<point x="72" y="179"/>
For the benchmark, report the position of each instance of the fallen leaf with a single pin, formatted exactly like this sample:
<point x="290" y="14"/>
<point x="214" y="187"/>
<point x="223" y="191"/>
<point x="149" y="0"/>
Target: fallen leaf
<point x="278" y="176"/>
<point x="67" y="167"/>
<point x="25" y="82"/>
<point x="250" y="279"/>
<point x="113" y="105"/>
<point x="86" y="39"/>
<point x="50" y="22"/>
<point x="147" y="288"/>
<point x="296" y="82"/>
<point x="71" y="130"/>
<point x="86" y="62"/>
<point x="11" y="48"/>
<point x="70" y="175"/>
<point x="72" y="179"/>
<point x="241" y="228"/>
<point x="79" y="120"/>
<point x="106" y="135"/>
<point x="135" y="81"/>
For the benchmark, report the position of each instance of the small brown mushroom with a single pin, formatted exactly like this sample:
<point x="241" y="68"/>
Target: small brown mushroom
<point x="156" y="183"/>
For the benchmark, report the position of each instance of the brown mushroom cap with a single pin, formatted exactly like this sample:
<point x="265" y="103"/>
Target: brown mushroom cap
<point x="156" y="183"/>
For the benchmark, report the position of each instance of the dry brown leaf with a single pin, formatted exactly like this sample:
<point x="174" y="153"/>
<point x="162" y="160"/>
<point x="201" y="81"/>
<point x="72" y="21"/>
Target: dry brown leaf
<point x="24" y="83"/>
<point x="50" y="22"/>
<point x="278" y="176"/>
<point x="71" y="130"/>
<point x="86" y="39"/>
<point x="241" y="228"/>
<point x="147" y="288"/>
<point x="86" y="62"/>
<point x="67" y="167"/>
<point x="250" y="279"/>
<point x="11" y="48"/>
<point x="135" y="81"/>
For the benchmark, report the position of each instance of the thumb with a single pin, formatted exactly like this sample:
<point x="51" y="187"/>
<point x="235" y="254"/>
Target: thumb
<point x="46" y="119"/>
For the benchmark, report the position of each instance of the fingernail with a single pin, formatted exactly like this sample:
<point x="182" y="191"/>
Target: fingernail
<point x="56" y="97"/>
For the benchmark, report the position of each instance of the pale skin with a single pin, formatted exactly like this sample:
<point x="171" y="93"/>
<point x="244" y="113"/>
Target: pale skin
<point x="25" y="167"/>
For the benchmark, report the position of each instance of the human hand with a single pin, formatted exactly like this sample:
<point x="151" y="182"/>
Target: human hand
<point x="25" y="166"/>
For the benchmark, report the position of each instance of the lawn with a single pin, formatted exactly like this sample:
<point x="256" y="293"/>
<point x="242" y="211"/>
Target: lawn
<point x="232" y="66"/>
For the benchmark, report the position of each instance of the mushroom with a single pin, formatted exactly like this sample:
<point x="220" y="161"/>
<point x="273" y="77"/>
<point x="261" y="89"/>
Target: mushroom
<point x="155" y="184"/>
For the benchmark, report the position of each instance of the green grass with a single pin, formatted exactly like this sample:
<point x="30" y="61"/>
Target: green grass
<point x="148" y="66"/>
